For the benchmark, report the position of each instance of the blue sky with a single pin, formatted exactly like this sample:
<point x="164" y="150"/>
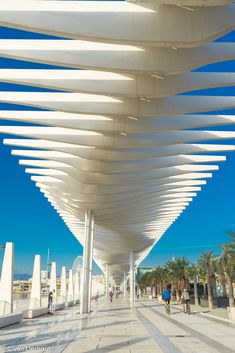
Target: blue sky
<point x="27" y="219"/>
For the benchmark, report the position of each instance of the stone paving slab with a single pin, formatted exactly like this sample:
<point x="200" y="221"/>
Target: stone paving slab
<point x="117" y="328"/>
<point x="206" y="336"/>
<point x="142" y="330"/>
<point x="122" y="332"/>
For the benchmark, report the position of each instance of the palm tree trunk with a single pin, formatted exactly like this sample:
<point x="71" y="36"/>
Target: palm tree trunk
<point x="230" y="290"/>
<point x="161" y="287"/>
<point x="224" y="290"/>
<point x="195" y="289"/>
<point x="177" y="294"/>
<point x="210" y="297"/>
<point x="154" y="290"/>
<point x="204" y="290"/>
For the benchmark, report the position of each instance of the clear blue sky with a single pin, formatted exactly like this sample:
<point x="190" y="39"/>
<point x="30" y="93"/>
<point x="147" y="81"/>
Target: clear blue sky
<point x="27" y="219"/>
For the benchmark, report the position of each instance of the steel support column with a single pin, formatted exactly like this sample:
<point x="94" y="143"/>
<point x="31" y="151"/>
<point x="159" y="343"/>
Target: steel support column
<point x="87" y="263"/>
<point x="91" y="231"/>
<point x="124" y="285"/>
<point x="132" y="277"/>
<point x="107" y="280"/>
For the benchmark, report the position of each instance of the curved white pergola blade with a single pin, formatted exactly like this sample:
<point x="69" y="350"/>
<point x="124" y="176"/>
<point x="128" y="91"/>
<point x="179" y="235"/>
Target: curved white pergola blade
<point x="119" y="141"/>
<point x="117" y="153"/>
<point x="115" y="57"/>
<point x="135" y="107"/>
<point x="110" y="83"/>
<point x="99" y="123"/>
<point x="138" y="23"/>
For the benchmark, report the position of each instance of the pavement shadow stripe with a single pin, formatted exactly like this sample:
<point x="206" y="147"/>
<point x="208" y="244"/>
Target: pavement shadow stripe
<point x="72" y="334"/>
<point x="164" y="343"/>
<point x="219" y="320"/>
<point x="209" y="341"/>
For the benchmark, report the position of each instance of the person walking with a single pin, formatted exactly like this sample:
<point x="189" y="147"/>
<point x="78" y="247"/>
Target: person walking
<point x="97" y="295"/>
<point x="185" y="299"/>
<point x="50" y="301"/>
<point x="166" y="297"/>
<point x="111" y="296"/>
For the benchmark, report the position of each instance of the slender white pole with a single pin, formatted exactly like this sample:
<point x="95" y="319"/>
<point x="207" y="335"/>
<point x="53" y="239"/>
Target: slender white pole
<point x="132" y="277"/>
<point x="53" y="283"/>
<point x="48" y="263"/>
<point x="35" y="295"/>
<point x="76" y="287"/>
<point x="63" y="288"/>
<point x="87" y="263"/>
<point x="6" y="284"/>
<point x="70" y="287"/>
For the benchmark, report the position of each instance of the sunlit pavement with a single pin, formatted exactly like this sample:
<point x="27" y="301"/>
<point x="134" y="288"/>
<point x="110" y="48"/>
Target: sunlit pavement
<point x="115" y="327"/>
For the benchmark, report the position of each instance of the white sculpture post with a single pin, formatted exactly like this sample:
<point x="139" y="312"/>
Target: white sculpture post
<point x="132" y="277"/>
<point x="53" y="283"/>
<point x="87" y="263"/>
<point x="107" y="280"/>
<point x="63" y="288"/>
<point x="76" y="287"/>
<point x="6" y="284"/>
<point x="35" y="295"/>
<point x="70" y="287"/>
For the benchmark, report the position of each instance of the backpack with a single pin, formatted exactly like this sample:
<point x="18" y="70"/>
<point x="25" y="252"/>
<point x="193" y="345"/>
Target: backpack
<point x="166" y="295"/>
<point x="185" y="296"/>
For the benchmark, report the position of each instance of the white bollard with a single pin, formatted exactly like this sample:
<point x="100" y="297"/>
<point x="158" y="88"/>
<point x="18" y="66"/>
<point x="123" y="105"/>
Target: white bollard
<point x="63" y="288"/>
<point x="70" y="287"/>
<point x="6" y="284"/>
<point x="53" y="283"/>
<point x="76" y="286"/>
<point x="35" y="295"/>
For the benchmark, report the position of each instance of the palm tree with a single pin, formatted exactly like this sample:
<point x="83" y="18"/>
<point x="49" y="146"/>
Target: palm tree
<point x="232" y="240"/>
<point x="206" y="262"/>
<point x="192" y="272"/>
<point x="156" y="278"/>
<point x="202" y="279"/>
<point x="160" y="278"/>
<point x="226" y="263"/>
<point x="177" y="272"/>
<point x="145" y="281"/>
<point x="152" y="282"/>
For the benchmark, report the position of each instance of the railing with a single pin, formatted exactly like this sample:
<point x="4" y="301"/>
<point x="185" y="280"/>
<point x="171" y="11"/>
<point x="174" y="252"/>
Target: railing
<point x="34" y="303"/>
<point x="5" y="308"/>
<point x="23" y="303"/>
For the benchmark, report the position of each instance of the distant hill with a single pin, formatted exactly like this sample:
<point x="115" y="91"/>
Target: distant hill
<point x="22" y="276"/>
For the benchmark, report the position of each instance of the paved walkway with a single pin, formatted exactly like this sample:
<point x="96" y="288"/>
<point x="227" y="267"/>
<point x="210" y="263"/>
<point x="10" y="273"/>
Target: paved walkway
<point x="216" y="312"/>
<point x="115" y="327"/>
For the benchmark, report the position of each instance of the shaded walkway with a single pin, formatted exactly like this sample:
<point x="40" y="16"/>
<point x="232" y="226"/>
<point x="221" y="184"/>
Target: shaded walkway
<point x="115" y="327"/>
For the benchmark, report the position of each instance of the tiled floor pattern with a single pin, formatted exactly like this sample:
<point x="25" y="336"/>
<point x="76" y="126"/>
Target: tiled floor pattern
<point x="117" y="328"/>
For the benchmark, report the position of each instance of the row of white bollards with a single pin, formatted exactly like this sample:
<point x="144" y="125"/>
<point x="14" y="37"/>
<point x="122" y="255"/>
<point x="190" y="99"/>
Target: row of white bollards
<point x="70" y="294"/>
<point x="6" y="283"/>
